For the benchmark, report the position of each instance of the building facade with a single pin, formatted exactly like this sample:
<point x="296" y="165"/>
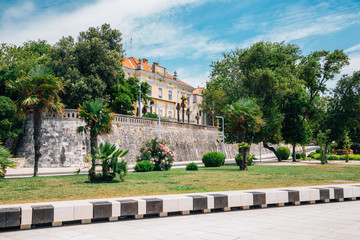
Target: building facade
<point x="166" y="90"/>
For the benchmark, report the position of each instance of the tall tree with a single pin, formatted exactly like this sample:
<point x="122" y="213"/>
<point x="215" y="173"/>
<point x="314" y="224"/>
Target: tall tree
<point x="10" y="124"/>
<point x="98" y="118"/>
<point x="89" y="67"/>
<point x="37" y="93"/>
<point x="243" y="116"/>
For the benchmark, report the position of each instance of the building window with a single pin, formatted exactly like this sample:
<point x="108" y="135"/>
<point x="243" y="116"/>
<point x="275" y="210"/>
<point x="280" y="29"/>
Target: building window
<point x="170" y="96"/>
<point x="160" y="93"/>
<point x="170" y="114"/>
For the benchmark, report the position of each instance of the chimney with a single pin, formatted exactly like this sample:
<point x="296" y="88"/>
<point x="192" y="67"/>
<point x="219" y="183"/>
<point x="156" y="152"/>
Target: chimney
<point x="145" y="61"/>
<point x="139" y="66"/>
<point x="175" y="75"/>
<point x="153" y="66"/>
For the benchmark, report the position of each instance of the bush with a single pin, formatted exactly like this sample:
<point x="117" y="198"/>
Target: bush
<point x="284" y="152"/>
<point x="332" y="157"/>
<point x="317" y="150"/>
<point x="238" y="158"/>
<point x="144" y="166"/>
<point x="158" y="153"/>
<point x="192" y="166"/>
<point x="213" y="159"/>
<point x="298" y="155"/>
<point x="5" y="161"/>
<point x="250" y="160"/>
<point x="311" y="155"/>
<point x="150" y="115"/>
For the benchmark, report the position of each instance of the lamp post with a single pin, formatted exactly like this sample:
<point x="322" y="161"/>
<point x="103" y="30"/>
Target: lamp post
<point x="222" y="118"/>
<point x="140" y="99"/>
<point x="158" y="106"/>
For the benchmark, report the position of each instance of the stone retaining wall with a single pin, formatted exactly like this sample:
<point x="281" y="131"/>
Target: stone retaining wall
<point x="63" y="146"/>
<point x="24" y="216"/>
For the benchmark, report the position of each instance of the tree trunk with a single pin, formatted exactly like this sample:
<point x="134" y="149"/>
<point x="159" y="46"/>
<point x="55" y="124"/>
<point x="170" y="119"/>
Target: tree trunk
<point x="304" y="152"/>
<point x="37" y="123"/>
<point x="273" y="150"/>
<point x="178" y="115"/>
<point x="183" y="115"/>
<point x="326" y="152"/>
<point x="294" y="154"/>
<point x="93" y="145"/>
<point x="243" y="151"/>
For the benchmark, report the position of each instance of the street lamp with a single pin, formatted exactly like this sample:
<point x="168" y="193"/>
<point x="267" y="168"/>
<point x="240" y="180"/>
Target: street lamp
<point x="140" y="99"/>
<point x="222" y="118"/>
<point x="159" y="119"/>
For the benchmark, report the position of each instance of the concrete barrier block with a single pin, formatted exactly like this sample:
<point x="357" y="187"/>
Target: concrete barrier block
<point x="210" y="202"/>
<point x="83" y="210"/>
<point x="102" y="209"/>
<point x="356" y="190"/>
<point x="26" y="216"/>
<point x="200" y="202"/>
<point x="63" y="211"/>
<point x="154" y="205"/>
<point x="220" y="200"/>
<point x="259" y="198"/>
<point x="42" y="214"/>
<point x="170" y="203"/>
<point x="128" y="207"/>
<point x="314" y="194"/>
<point x="234" y="199"/>
<point x="336" y="193"/>
<point x="185" y="203"/>
<point x="246" y="199"/>
<point x="10" y="217"/>
<point x="349" y="191"/>
<point x="141" y="206"/>
<point x="115" y="208"/>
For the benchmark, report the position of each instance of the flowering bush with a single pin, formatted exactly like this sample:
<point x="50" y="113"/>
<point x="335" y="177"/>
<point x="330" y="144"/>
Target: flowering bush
<point x="158" y="153"/>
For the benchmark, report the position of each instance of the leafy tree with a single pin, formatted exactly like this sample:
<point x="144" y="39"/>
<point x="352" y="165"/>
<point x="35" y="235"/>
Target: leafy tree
<point x="214" y="101"/>
<point x="89" y="67"/>
<point x="14" y="60"/>
<point x="98" y="120"/>
<point x="347" y="146"/>
<point x="37" y="93"/>
<point x="126" y="94"/>
<point x="323" y="142"/>
<point x="10" y="124"/>
<point x="266" y="72"/>
<point x="5" y="161"/>
<point x="243" y="116"/>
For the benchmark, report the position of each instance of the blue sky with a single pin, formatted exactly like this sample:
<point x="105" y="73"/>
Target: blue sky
<point x="187" y="35"/>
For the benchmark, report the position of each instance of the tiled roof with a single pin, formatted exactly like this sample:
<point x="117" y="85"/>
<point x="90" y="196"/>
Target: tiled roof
<point x="198" y="90"/>
<point x="133" y="63"/>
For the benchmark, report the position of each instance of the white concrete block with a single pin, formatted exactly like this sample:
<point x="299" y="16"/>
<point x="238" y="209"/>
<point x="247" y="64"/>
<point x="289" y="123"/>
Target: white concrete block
<point x="186" y="203"/>
<point x="63" y="211"/>
<point x="331" y="193"/>
<point x="314" y="194"/>
<point x="170" y="203"/>
<point x="271" y="197"/>
<point x="210" y="201"/>
<point x="83" y="210"/>
<point x="356" y="191"/>
<point x="115" y="207"/>
<point x="348" y="191"/>
<point x="141" y="206"/>
<point x="26" y="215"/>
<point x="246" y="199"/>
<point x="234" y="199"/>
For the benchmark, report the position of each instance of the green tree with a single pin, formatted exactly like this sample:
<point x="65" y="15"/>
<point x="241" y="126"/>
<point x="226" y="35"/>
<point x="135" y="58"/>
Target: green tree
<point x="5" y="161"/>
<point x="243" y="116"/>
<point x="322" y="140"/>
<point x="266" y="72"/>
<point x="37" y="93"/>
<point x="89" y="67"/>
<point x="126" y="94"/>
<point x="97" y="118"/>
<point x="14" y="60"/>
<point x="11" y="125"/>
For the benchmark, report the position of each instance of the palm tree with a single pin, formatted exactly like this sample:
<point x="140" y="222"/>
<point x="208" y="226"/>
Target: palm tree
<point x="98" y="120"/>
<point x="243" y="116"/>
<point x="37" y="93"/>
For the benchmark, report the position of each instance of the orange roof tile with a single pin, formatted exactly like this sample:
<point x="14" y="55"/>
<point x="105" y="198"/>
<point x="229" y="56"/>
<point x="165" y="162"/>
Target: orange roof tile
<point x="133" y="63"/>
<point x="198" y="90"/>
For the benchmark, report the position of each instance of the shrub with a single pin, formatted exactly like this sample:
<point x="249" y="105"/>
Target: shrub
<point x="250" y="160"/>
<point x="311" y="155"/>
<point x="150" y="115"/>
<point x="5" y="161"/>
<point x="238" y="158"/>
<point x="298" y="155"/>
<point x="213" y="159"/>
<point x="192" y="166"/>
<point x="144" y="166"/>
<point x="158" y="153"/>
<point x="318" y="150"/>
<point x="284" y="152"/>
<point x="332" y="157"/>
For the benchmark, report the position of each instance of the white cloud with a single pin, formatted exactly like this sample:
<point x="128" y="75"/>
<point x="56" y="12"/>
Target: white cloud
<point x="353" y="48"/>
<point x="20" y="11"/>
<point x="194" y="75"/>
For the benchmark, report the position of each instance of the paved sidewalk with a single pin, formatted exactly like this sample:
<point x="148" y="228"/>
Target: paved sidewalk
<point x="339" y="220"/>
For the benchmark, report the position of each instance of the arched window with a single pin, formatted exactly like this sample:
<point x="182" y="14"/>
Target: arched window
<point x="170" y="114"/>
<point x="170" y="95"/>
<point x="160" y="93"/>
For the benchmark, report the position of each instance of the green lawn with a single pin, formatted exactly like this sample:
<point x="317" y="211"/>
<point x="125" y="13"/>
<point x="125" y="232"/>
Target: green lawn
<point x="41" y="189"/>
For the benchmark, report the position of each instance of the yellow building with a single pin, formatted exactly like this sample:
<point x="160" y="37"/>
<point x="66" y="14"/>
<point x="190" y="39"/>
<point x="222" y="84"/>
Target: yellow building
<point x="166" y="90"/>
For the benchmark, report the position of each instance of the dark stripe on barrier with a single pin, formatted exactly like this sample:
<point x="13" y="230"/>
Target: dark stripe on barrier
<point x="129" y="207"/>
<point x="199" y="202"/>
<point x="154" y="205"/>
<point x="102" y="209"/>
<point x="293" y="195"/>
<point x="259" y="198"/>
<point x="324" y="193"/>
<point x="9" y="217"/>
<point x="338" y="192"/>
<point x="220" y="200"/>
<point x="42" y="214"/>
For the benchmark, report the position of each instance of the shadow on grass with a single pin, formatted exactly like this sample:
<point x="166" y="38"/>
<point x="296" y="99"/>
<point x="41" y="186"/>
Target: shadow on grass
<point x="97" y="182"/>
